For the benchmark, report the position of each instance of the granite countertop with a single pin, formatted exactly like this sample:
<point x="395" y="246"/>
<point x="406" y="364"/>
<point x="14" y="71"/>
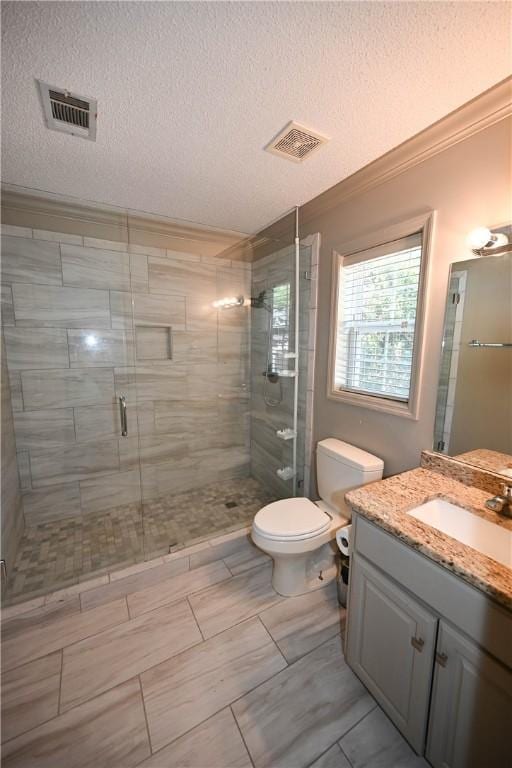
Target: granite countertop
<point x="493" y="461"/>
<point x="386" y="503"/>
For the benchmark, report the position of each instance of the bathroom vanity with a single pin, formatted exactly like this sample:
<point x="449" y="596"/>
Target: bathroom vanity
<point x="429" y="628"/>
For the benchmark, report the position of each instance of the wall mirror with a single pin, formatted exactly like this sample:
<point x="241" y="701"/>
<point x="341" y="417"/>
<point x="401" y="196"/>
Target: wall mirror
<point x="473" y="420"/>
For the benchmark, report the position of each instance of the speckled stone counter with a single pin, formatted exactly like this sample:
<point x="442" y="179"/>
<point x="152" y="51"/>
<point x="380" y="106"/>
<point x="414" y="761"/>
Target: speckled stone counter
<point x="386" y="503"/>
<point x="492" y="461"/>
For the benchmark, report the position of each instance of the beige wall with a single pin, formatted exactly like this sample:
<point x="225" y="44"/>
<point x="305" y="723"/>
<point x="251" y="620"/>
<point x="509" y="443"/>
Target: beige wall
<point x="12" y="516"/>
<point x="482" y="414"/>
<point x="469" y="185"/>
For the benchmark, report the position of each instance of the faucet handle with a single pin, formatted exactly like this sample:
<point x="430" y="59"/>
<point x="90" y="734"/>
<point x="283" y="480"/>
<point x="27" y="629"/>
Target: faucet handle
<point x="507" y="490"/>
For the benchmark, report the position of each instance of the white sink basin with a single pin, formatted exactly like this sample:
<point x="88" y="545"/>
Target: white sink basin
<point x="489" y="539"/>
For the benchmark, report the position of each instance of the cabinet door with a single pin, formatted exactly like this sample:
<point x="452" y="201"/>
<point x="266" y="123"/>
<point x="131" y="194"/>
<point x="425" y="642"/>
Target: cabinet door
<point x="471" y="712"/>
<point x="390" y="647"/>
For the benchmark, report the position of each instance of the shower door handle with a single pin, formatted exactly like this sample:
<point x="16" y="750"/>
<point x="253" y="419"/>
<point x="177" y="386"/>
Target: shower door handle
<point x="124" y="416"/>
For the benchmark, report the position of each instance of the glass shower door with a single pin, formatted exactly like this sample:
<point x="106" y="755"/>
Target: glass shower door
<point x="70" y="358"/>
<point x="278" y="385"/>
<point x="191" y="373"/>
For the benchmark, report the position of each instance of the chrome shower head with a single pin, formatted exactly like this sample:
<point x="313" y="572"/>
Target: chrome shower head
<point x="258" y="302"/>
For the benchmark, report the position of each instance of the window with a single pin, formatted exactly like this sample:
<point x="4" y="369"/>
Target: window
<point x="376" y="335"/>
<point x="280" y="331"/>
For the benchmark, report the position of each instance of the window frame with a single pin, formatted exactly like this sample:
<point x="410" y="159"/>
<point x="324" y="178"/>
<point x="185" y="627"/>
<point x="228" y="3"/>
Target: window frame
<point x="423" y="224"/>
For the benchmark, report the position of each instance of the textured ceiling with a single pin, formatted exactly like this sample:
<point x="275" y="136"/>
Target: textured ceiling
<point x="190" y="93"/>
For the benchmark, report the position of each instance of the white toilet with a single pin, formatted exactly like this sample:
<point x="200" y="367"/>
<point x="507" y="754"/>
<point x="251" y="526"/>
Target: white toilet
<point x="298" y="533"/>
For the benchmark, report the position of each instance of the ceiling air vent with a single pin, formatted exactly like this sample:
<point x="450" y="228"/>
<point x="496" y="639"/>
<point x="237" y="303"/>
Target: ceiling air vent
<point x="296" y="142"/>
<point x="68" y="112"/>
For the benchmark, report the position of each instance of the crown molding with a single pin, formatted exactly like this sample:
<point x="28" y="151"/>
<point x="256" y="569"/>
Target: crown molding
<point x="476" y="115"/>
<point x="41" y="210"/>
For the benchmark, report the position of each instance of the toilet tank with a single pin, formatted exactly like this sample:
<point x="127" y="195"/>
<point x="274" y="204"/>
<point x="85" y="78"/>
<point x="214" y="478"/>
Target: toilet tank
<point x="340" y="467"/>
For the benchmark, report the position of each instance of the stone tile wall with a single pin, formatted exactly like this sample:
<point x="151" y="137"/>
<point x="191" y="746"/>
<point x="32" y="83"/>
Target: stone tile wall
<point x="87" y="321"/>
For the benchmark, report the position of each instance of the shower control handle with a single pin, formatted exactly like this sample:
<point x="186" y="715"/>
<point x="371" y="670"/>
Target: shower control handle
<point x="124" y="416"/>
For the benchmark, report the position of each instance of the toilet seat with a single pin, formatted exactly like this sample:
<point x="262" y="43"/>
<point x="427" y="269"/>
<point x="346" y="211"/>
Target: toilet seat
<point x="293" y="519"/>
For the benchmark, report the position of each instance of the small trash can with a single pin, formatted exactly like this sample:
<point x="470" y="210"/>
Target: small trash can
<point x="342" y="579"/>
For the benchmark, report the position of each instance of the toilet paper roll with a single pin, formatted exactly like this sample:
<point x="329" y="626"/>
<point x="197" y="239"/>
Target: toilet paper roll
<point x="344" y="540"/>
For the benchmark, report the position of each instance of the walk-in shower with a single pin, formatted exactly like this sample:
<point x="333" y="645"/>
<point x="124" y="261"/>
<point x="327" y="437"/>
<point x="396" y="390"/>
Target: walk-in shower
<point x="158" y="397"/>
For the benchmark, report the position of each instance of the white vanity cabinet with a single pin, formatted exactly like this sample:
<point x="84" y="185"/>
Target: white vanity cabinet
<point x="471" y="714"/>
<point x="391" y="648"/>
<point x="435" y="652"/>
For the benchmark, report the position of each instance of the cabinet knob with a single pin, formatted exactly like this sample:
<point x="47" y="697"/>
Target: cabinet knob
<point x="417" y="643"/>
<point x="441" y="659"/>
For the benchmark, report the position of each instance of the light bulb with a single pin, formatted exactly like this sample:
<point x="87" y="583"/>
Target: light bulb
<point x="483" y="242"/>
<point x="478" y="238"/>
<point x="501" y="239"/>
<point x="229" y="301"/>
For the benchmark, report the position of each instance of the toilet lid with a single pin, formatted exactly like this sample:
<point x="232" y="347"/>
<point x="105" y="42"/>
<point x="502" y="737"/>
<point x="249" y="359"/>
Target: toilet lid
<point x="291" y="519"/>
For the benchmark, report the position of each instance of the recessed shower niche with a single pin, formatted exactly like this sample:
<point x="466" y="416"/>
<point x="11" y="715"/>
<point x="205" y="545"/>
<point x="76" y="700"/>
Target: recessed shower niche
<point x="153" y="342"/>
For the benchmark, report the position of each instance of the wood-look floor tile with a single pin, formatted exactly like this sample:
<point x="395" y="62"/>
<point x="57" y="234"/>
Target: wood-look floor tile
<point x="107" y="732"/>
<point x="43" y="615"/>
<point x="223" y="547"/>
<point x="299" y="624"/>
<point x="245" y="558"/>
<point x="215" y="743"/>
<point x="137" y="581"/>
<point x="30" y="695"/>
<point x="232" y="601"/>
<point x="17" y="609"/>
<point x="44" y="635"/>
<point x="333" y="758"/>
<point x="204" y="556"/>
<point x="145" y="565"/>
<point x="294" y="717"/>
<point x="100" y="662"/>
<point x="376" y="743"/>
<point x="64" y="594"/>
<point x="175" y="588"/>
<point x="182" y="692"/>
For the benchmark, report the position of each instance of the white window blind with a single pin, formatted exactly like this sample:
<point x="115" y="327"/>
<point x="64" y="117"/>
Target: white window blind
<point x="280" y="331"/>
<point x="377" y="307"/>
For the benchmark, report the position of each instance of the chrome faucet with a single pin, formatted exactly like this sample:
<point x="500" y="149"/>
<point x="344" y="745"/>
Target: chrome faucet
<point x="502" y="503"/>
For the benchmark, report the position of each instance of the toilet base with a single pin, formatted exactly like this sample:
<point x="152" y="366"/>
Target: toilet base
<point x="296" y="574"/>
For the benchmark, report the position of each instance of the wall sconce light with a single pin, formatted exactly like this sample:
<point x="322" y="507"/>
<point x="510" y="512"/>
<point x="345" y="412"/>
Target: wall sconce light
<point x="256" y="302"/>
<point x="483" y="242"/>
<point x="229" y="301"/>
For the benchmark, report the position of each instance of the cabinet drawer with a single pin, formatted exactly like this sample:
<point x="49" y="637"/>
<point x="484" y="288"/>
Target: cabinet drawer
<point x="485" y="622"/>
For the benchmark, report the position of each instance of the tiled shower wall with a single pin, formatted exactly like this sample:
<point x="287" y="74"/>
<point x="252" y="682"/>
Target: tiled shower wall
<point x="75" y="343"/>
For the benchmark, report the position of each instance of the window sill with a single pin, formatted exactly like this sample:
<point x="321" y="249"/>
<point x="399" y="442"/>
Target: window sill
<point x="404" y="410"/>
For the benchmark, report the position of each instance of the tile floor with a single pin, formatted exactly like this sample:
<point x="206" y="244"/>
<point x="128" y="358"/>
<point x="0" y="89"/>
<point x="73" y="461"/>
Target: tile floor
<point x="61" y="553"/>
<point x="188" y="661"/>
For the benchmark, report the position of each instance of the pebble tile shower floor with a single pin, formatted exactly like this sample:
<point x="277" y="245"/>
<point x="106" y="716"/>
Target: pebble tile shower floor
<point x="64" y="552"/>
